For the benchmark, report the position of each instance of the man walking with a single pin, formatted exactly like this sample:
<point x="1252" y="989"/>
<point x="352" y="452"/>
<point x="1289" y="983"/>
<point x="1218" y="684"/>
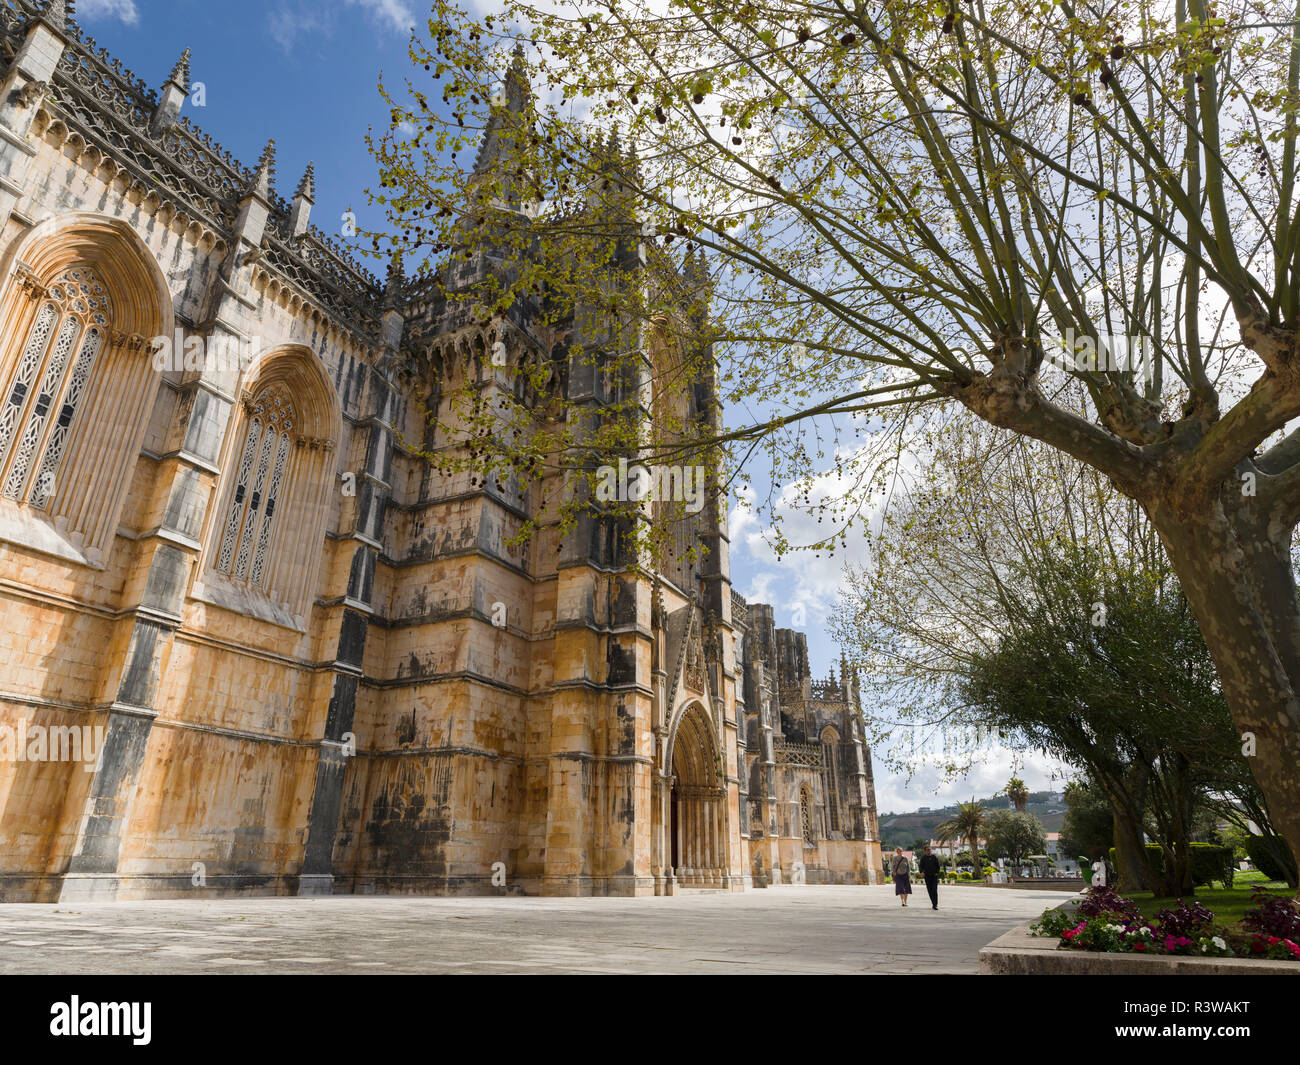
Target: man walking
<point x="929" y="867"/>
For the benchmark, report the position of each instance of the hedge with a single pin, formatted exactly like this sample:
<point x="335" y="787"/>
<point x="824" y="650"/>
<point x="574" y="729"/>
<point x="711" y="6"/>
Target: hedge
<point x="1209" y="862"/>
<point x="1266" y="861"/>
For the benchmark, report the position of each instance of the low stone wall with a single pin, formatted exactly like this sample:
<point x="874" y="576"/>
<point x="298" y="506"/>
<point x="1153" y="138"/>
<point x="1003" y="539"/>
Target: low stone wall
<point x="1017" y="953"/>
<point x="1071" y="884"/>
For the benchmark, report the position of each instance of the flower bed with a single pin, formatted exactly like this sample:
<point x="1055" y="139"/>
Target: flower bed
<point x="1107" y="921"/>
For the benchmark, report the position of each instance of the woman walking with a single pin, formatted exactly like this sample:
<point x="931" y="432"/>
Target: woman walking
<point x="902" y="875"/>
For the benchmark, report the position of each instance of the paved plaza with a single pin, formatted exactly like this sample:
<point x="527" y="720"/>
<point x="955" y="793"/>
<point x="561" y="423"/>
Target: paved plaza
<point x="809" y="929"/>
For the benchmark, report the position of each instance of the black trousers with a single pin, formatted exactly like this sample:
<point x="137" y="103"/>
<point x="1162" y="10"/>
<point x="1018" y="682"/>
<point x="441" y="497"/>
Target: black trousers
<point x="932" y="886"/>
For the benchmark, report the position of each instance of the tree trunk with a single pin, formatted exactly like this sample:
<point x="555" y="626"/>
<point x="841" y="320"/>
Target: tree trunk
<point x="1131" y="864"/>
<point x="1171" y="798"/>
<point x="1246" y="604"/>
<point x="1184" y="800"/>
<point x="1126" y="794"/>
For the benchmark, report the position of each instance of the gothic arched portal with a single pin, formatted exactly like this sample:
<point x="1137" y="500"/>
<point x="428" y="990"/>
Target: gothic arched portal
<point x="697" y="803"/>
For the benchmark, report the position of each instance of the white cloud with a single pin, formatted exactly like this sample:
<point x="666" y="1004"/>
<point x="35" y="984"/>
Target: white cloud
<point x="393" y="14"/>
<point x="800" y="579"/>
<point x="927" y="787"/>
<point x="95" y="10"/>
<point x="289" y="23"/>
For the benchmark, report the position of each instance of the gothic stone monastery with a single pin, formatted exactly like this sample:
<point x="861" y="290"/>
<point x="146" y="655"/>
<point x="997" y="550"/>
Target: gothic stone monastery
<point x="270" y="620"/>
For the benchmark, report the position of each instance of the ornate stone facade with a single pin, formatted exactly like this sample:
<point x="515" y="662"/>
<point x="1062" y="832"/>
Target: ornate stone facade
<point x="279" y="629"/>
<point x="808" y="784"/>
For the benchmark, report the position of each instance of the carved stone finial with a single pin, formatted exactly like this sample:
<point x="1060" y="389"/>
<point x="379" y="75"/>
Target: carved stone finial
<point x="394" y="283"/>
<point x="264" y="174"/>
<point x="180" y="74"/>
<point x="307" y="186"/>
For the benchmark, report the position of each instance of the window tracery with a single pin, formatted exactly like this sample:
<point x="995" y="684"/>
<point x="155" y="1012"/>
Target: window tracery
<point x="49" y="384"/>
<point x="259" y="483"/>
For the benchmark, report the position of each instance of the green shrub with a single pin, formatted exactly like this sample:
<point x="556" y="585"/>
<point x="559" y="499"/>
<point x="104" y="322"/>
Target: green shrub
<point x="1212" y="861"/>
<point x="1054" y="922"/>
<point x="1266" y="861"/>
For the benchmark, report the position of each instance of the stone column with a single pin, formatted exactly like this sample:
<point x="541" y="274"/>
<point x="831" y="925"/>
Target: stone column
<point x="373" y="493"/>
<point x="715" y="852"/>
<point x="153" y="600"/>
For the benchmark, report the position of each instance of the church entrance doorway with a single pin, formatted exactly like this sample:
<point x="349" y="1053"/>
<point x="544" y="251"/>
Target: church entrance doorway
<point x="697" y="804"/>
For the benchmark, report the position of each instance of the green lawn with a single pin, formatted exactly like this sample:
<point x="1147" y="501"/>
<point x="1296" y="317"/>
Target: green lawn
<point x="1228" y="907"/>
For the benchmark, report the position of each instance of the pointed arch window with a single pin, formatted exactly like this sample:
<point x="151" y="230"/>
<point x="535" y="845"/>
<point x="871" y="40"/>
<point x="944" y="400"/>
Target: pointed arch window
<point x="250" y="517"/>
<point x="46" y="389"/>
<point x="805" y="814"/>
<point x="830" y="761"/>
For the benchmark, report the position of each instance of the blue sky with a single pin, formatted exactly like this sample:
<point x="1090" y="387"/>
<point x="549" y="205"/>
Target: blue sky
<point x="305" y="74"/>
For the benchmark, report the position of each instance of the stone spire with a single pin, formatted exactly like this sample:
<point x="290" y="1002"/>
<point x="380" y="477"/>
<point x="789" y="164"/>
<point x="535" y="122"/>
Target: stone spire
<point x="849" y="680"/>
<point x="509" y="123"/>
<point x="303" y="198"/>
<point x="180" y="75"/>
<point x="172" y="96"/>
<point x="394" y="282"/>
<point x="255" y="205"/>
<point x="391" y="317"/>
<point x="307" y="186"/>
<point x="264" y="174"/>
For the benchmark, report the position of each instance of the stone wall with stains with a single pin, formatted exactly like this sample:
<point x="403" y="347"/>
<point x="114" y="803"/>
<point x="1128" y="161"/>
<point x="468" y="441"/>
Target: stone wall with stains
<point x="416" y="704"/>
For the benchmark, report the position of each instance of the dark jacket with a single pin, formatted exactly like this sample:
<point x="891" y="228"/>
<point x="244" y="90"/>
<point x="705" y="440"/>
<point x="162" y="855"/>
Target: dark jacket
<point x="928" y="865"/>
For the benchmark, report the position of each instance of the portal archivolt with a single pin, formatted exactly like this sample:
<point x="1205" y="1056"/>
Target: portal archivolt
<point x="696" y="821"/>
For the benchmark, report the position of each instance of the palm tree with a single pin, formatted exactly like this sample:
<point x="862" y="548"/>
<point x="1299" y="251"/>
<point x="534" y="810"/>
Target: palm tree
<point x="1018" y="794"/>
<point x="967" y="823"/>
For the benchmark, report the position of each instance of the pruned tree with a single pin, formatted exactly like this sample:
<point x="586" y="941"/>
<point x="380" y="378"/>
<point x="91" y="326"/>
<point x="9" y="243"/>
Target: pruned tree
<point x="1088" y="829"/>
<point x="1134" y="702"/>
<point x="902" y="213"/>
<point x="1014" y="834"/>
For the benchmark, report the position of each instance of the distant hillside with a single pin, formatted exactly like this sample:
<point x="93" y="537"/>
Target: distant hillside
<point x="899" y="830"/>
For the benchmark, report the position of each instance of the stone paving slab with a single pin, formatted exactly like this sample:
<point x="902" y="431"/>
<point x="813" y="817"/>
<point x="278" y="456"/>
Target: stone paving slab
<point x="809" y="929"/>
